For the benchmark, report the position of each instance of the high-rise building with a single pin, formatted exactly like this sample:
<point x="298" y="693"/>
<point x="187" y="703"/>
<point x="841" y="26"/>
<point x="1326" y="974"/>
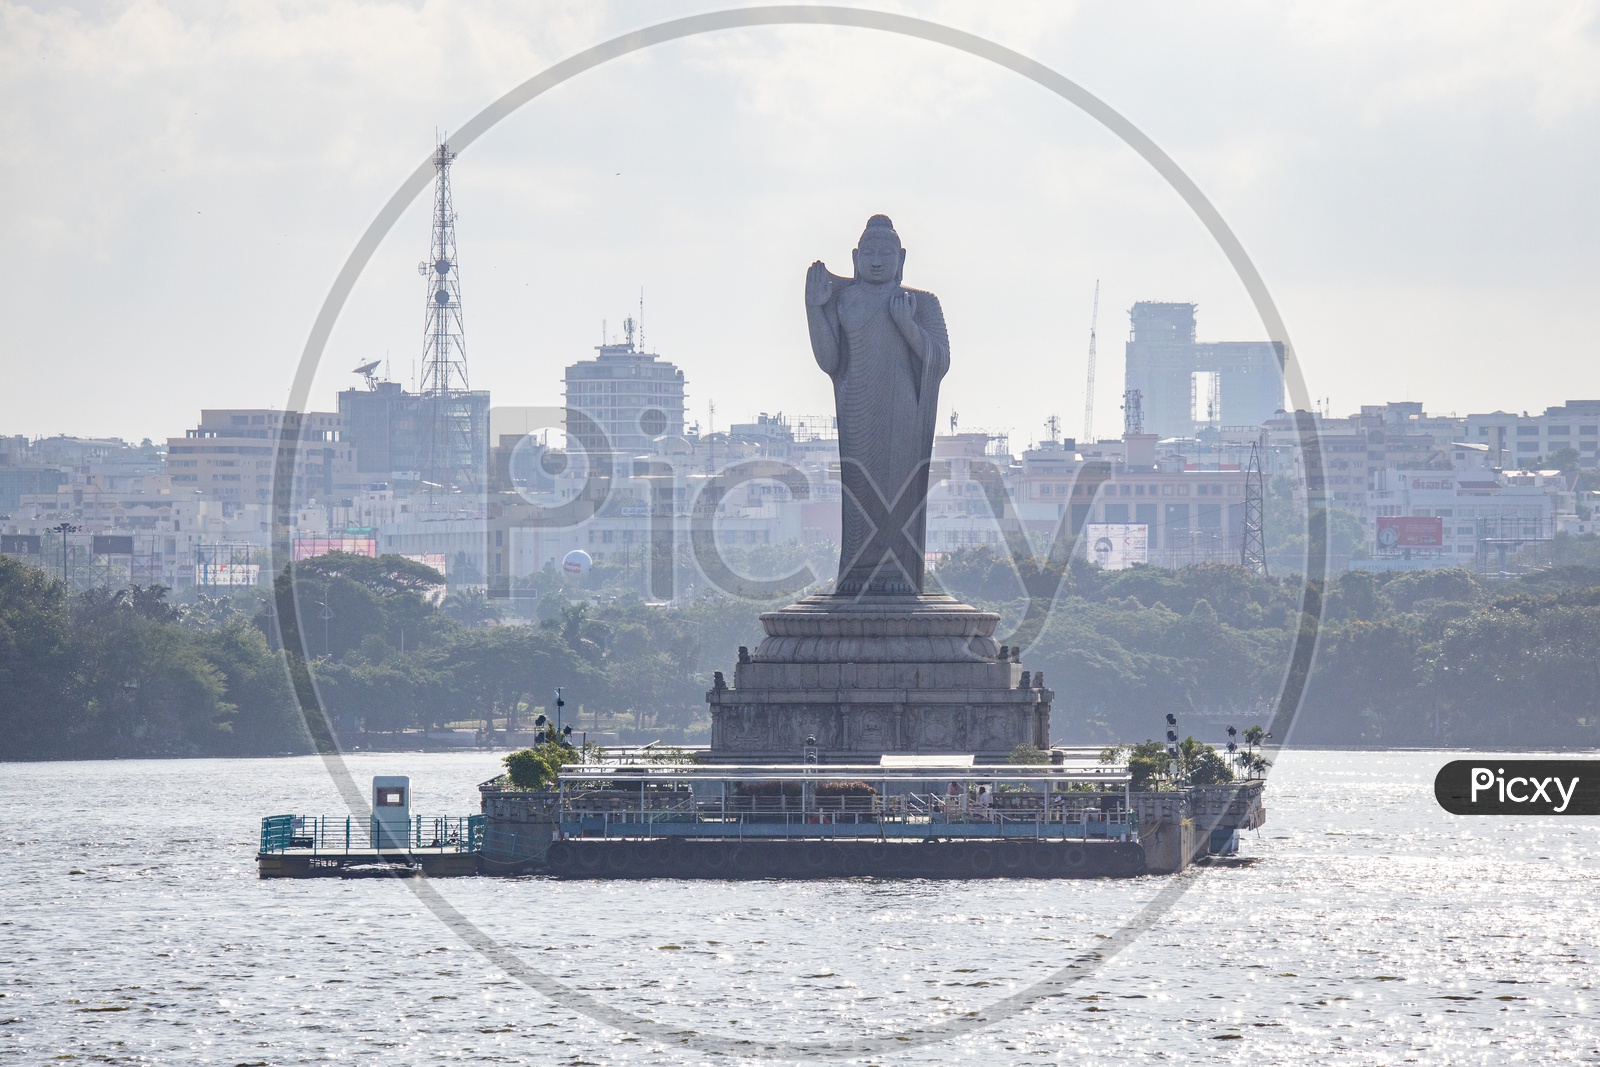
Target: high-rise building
<point x="628" y="398"/>
<point x="393" y="429"/>
<point x="232" y="456"/>
<point x="1189" y="386"/>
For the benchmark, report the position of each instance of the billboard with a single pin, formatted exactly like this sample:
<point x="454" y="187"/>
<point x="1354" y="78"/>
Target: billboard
<point x="307" y="547"/>
<point x="19" y="544"/>
<point x="227" y="574"/>
<point x="436" y="560"/>
<point x="113" y="545"/>
<point x="1409" y="531"/>
<point x="1115" y="546"/>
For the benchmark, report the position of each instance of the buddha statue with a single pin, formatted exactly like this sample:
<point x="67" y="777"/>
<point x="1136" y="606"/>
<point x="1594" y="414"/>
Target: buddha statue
<point x="886" y="349"/>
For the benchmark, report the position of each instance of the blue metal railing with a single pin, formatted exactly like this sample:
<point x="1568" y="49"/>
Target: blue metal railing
<point x="340" y="835"/>
<point x="276" y="831"/>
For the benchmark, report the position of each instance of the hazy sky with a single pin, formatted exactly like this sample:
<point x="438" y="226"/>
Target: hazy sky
<point x="183" y="181"/>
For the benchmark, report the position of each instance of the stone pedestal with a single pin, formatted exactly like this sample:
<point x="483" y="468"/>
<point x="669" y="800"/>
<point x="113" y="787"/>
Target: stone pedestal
<point x="895" y="674"/>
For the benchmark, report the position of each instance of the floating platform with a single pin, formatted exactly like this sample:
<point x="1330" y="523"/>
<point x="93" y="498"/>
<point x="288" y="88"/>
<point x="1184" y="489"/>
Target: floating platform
<point x="312" y="846"/>
<point x="365" y="864"/>
<point x="906" y="817"/>
<point x="724" y="858"/>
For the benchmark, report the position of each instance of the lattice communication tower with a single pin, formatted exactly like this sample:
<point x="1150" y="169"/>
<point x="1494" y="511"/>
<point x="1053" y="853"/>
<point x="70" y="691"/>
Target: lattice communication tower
<point x="1133" y="411"/>
<point x="443" y="381"/>
<point x="1253" y="544"/>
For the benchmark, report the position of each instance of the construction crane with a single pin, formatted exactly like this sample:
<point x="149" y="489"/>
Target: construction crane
<point x="1088" y="396"/>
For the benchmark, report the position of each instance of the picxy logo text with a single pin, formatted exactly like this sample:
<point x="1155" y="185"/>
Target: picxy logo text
<point x="1519" y="787"/>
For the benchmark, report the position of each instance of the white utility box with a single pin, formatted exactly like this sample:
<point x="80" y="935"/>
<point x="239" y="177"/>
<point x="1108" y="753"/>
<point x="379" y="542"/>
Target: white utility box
<point x="391" y="811"/>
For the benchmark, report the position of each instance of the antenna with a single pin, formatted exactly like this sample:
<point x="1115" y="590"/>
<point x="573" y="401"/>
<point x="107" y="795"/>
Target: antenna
<point x="1088" y="395"/>
<point x="443" y="374"/>
<point x="955" y="417"/>
<point x="641" y="318"/>
<point x="1053" y="424"/>
<point x="444" y="366"/>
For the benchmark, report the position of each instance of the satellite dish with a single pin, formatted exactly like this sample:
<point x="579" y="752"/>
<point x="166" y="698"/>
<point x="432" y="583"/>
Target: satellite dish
<point x="441" y="266"/>
<point x="1171" y="736"/>
<point x="577" y="562"/>
<point x="1172" y="720"/>
<point x="422" y="268"/>
<point x="442" y="297"/>
<point x="368" y="368"/>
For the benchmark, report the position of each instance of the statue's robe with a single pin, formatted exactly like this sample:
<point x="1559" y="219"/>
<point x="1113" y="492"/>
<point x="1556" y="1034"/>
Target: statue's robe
<point x="887" y="399"/>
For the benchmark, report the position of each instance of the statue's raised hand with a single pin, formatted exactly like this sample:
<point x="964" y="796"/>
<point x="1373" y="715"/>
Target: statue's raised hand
<point x="819" y="285"/>
<point x="903" y="310"/>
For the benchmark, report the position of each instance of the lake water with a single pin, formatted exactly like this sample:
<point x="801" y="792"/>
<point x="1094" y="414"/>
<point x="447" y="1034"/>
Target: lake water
<point x="1373" y="929"/>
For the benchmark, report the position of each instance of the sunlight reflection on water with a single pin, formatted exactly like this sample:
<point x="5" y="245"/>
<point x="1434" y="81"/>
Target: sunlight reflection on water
<point x="1375" y="928"/>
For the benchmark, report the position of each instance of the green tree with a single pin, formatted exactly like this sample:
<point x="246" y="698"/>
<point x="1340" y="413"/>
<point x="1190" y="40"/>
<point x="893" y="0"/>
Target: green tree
<point x="265" y="717"/>
<point x="537" y="767"/>
<point x="1026" y="753"/>
<point x="471" y="607"/>
<point x="329" y="605"/>
<point x="1149" y="764"/>
<point x="1564" y="460"/>
<point x="1365" y="688"/>
<point x="1201" y="764"/>
<point x="39" y="681"/>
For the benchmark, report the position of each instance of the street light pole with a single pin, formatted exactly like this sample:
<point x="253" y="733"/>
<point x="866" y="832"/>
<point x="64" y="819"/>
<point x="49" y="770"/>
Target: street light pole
<point x="325" y="614"/>
<point x="63" y="529"/>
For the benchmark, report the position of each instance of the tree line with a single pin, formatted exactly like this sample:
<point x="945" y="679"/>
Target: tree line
<point x="125" y="673"/>
<point x="1427" y="658"/>
<point x="1418" y="658"/>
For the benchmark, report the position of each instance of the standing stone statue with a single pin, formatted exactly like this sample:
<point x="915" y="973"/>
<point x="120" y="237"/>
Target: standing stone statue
<point x="886" y="349"/>
<point x="879" y="665"/>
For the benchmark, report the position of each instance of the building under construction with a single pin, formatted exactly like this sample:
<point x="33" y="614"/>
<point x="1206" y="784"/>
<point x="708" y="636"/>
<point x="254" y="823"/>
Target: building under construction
<point x="1189" y="387"/>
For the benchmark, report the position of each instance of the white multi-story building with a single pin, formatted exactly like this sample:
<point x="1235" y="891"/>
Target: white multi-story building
<point x="1516" y="441"/>
<point x="1477" y="509"/>
<point x="630" y="398"/>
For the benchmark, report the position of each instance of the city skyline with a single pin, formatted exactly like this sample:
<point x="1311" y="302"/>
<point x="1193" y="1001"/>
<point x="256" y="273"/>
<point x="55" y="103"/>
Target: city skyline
<point x="462" y="441"/>
<point x="1385" y="175"/>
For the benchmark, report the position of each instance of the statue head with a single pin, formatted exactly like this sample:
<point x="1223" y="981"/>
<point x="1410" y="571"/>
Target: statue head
<point x="878" y="257"/>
